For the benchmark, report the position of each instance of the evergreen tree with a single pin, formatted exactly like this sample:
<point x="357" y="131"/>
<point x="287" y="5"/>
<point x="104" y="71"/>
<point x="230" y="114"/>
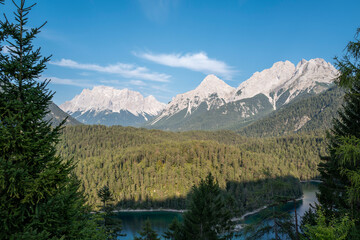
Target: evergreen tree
<point x="210" y="212"/>
<point x="339" y="193"/>
<point x="39" y="197"/>
<point x="328" y="229"/>
<point x="147" y="232"/>
<point x="105" y="195"/>
<point x="174" y="232"/>
<point x="111" y="223"/>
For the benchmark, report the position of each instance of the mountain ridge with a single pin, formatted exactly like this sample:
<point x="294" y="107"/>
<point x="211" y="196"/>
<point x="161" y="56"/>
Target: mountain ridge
<point x="212" y="105"/>
<point x="110" y="106"/>
<point x="280" y="84"/>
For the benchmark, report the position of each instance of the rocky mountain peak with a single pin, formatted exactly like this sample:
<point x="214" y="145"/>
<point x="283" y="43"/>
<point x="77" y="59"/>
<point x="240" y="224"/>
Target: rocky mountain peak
<point x="103" y="98"/>
<point x="212" y="84"/>
<point x="265" y="81"/>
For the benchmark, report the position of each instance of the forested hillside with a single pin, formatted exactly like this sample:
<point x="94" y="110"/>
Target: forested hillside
<point x="153" y="168"/>
<point x="305" y="115"/>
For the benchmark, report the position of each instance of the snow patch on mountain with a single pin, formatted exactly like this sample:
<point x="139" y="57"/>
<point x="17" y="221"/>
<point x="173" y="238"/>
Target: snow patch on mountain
<point x="103" y="98"/>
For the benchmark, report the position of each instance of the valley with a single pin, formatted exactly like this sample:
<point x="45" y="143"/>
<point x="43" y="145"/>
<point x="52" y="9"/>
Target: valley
<point x="156" y="169"/>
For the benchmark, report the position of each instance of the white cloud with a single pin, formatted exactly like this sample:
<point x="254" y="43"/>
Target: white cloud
<point x="72" y="82"/>
<point x="112" y="82"/>
<point x="162" y="88"/>
<point x="137" y="83"/>
<point x="199" y="62"/>
<point x="122" y="69"/>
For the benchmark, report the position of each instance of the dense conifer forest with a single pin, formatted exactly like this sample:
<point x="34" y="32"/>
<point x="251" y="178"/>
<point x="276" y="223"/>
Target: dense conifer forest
<point x="153" y="168"/>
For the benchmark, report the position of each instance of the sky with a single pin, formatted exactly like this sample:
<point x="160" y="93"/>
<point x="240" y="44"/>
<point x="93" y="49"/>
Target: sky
<point x="167" y="47"/>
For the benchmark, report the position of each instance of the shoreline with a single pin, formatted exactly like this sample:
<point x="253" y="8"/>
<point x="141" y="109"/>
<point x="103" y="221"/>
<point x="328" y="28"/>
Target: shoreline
<point x="152" y="210"/>
<point x="184" y="210"/>
<point x="313" y="180"/>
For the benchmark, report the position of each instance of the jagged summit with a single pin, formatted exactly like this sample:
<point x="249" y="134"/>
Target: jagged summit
<point x="312" y="75"/>
<point x="262" y="93"/>
<point x="103" y="98"/>
<point x="265" y="81"/>
<point x="210" y="101"/>
<point x="284" y="78"/>
<point x="316" y="66"/>
<point x="210" y="90"/>
<point x="213" y="84"/>
<point x="210" y="83"/>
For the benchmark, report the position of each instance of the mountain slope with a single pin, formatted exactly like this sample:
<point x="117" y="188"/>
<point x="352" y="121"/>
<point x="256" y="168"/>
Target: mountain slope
<point x="212" y="91"/>
<point x="284" y="82"/>
<point x="216" y="105"/>
<point x="219" y="116"/>
<point x="313" y="113"/>
<point x="56" y="115"/>
<point x="109" y="106"/>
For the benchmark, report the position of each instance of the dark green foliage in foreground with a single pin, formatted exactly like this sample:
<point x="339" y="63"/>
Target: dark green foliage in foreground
<point x="153" y="169"/>
<point x="340" y="171"/>
<point x="111" y="224"/>
<point x="174" y="231"/>
<point x="39" y="197"/>
<point x="329" y="228"/>
<point x="209" y="212"/>
<point x="147" y="233"/>
<point x="337" y="216"/>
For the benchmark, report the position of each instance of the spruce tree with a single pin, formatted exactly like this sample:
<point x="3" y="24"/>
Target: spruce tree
<point x="39" y="196"/>
<point x="111" y="223"/>
<point x="147" y="232"/>
<point x="210" y="212"/>
<point x="339" y="193"/>
<point x="175" y="231"/>
<point x="105" y="196"/>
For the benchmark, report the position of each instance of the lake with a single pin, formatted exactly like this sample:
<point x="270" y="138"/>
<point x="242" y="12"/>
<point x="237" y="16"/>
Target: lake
<point x="133" y="221"/>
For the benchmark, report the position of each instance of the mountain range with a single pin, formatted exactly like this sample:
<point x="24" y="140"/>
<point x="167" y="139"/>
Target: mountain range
<point x="109" y="106"/>
<point x="212" y="105"/>
<point x="215" y="105"/>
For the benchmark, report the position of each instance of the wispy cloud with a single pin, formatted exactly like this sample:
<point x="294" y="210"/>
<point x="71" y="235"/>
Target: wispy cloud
<point x="157" y="10"/>
<point x="71" y="82"/>
<point x="137" y="83"/>
<point x="122" y="69"/>
<point x="199" y="62"/>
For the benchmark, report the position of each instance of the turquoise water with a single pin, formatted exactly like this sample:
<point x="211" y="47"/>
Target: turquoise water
<point x="133" y="221"/>
<point x="309" y="190"/>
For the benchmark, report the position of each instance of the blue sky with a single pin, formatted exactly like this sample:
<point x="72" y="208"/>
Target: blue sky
<point x="167" y="47"/>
